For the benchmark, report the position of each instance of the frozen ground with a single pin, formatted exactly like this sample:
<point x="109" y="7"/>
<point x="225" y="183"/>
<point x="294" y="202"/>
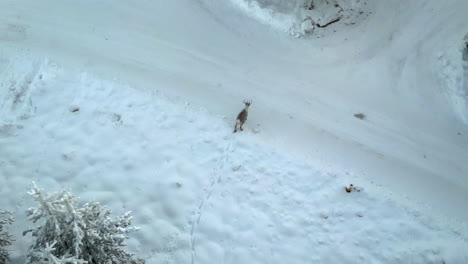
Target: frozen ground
<point x="158" y="85"/>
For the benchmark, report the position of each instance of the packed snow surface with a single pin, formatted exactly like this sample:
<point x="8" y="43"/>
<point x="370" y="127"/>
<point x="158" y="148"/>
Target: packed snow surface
<point x="133" y="105"/>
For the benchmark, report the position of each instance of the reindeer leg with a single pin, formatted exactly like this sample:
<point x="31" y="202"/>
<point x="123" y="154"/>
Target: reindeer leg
<point x="235" y="126"/>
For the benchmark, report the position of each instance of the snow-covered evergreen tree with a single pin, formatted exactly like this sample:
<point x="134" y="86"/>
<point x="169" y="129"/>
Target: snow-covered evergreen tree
<point x="68" y="233"/>
<point x="5" y="238"/>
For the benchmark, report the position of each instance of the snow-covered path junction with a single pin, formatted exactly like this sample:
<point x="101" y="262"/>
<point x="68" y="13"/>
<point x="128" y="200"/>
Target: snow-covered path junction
<point x="132" y="104"/>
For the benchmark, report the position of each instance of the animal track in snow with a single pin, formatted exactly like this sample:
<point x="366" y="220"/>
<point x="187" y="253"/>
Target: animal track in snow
<point x="216" y="179"/>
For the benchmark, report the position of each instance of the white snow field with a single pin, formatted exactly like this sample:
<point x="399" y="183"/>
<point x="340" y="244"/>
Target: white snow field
<point x="132" y="104"/>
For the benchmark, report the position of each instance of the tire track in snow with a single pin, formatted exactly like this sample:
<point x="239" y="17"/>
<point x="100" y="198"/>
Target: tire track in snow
<point x="215" y="181"/>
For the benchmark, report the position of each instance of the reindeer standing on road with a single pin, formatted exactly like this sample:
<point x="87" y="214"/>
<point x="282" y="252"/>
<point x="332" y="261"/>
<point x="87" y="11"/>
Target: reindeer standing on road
<point x="242" y="116"/>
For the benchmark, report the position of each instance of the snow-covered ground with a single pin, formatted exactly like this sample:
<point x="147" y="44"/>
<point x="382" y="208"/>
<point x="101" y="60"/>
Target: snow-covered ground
<point x="133" y="105"/>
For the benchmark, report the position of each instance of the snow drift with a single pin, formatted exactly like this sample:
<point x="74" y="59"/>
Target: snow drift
<point x="454" y="77"/>
<point x="303" y="17"/>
